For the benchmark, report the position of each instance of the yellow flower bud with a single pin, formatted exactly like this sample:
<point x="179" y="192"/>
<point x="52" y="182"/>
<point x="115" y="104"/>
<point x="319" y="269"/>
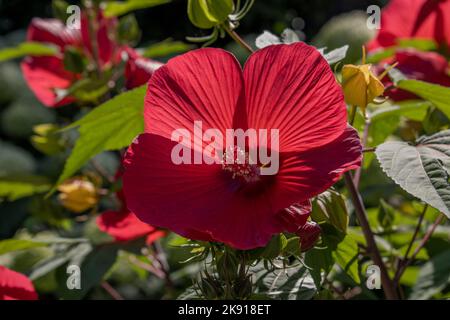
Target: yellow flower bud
<point x="360" y="85"/>
<point x="78" y="195"/>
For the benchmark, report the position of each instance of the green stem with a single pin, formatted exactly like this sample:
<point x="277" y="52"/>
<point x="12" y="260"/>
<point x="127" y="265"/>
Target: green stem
<point x="238" y="39"/>
<point x="352" y="115"/>
<point x="424" y="241"/>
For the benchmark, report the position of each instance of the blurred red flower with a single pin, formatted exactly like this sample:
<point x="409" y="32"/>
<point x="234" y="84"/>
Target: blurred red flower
<point x="123" y="225"/>
<point x="286" y="87"/>
<point x="47" y="76"/>
<point x="15" y="286"/>
<point x="139" y="69"/>
<point x="421" y="19"/>
<point x="426" y="66"/>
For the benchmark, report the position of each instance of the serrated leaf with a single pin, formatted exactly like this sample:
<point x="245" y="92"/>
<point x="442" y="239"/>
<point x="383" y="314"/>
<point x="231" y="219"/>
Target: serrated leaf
<point x="27" y="49"/>
<point x="11" y="245"/>
<point x="422" y="169"/>
<point x="118" y="8"/>
<point x="436" y="94"/>
<point x="14" y="188"/>
<point x="433" y="277"/>
<point x="291" y="283"/>
<point x="111" y="126"/>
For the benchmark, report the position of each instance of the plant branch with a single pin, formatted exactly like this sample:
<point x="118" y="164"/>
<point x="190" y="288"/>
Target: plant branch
<point x="357" y="177"/>
<point x="238" y="39"/>
<point x="422" y="244"/>
<point x="111" y="291"/>
<point x="388" y="284"/>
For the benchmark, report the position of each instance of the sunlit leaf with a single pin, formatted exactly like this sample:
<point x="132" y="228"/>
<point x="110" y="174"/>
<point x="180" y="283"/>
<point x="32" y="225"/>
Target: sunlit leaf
<point x="346" y="256"/>
<point x="330" y="207"/>
<point x="111" y="126"/>
<point x="14" y="188"/>
<point x="436" y="94"/>
<point x="421" y="169"/>
<point x="433" y="277"/>
<point x="11" y="245"/>
<point x="118" y="8"/>
<point x="166" y="48"/>
<point x="27" y="49"/>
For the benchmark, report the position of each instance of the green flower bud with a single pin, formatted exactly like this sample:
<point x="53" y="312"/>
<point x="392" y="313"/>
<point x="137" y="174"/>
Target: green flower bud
<point x="206" y="14"/>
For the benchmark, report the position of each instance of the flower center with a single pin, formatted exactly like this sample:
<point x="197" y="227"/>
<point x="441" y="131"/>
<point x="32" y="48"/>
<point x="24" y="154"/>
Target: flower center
<point x="238" y="162"/>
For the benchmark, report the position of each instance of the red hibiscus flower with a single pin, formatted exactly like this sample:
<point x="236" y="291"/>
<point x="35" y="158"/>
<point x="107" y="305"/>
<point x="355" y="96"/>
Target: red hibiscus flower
<point x="15" y="286"/>
<point x="138" y="69"/>
<point x="47" y="76"/>
<point x="290" y="88"/>
<point x="424" y="19"/>
<point x="426" y="66"/>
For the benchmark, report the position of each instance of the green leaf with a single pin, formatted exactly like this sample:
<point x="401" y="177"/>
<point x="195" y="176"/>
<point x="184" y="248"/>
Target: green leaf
<point x="421" y="169"/>
<point x="290" y="283"/>
<point x="59" y="9"/>
<point x="292" y="247"/>
<point x="111" y="126"/>
<point x="386" y="215"/>
<point x="206" y="14"/>
<point x="275" y="247"/>
<point x="380" y="55"/>
<point x="128" y="30"/>
<point x="433" y="277"/>
<point x="166" y="48"/>
<point x="330" y="207"/>
<point x="74" y="61"/>
<point x="50" y="264"/>
<point x="118" y="8"/>
<point x="11" y="245"/>
<point x="14" y="188"/>
<point x="436" y="94"/>
<point x="27" y="49"/>
<point x="412" y="109"/>
<point x="419" y="44"/>
<point x="346" y="256"/>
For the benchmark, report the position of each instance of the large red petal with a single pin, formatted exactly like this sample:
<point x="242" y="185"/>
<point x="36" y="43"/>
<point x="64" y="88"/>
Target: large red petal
<point x="292" y="88"/>
<point x="123" y="226"/>
<point x="197" y="201"/>
<point x="15" y="286"/>
<point x="44" y="75"/>
<point x="202" y="85"/>
<point x="306" y="174"/>
<point x="52" y="31"/>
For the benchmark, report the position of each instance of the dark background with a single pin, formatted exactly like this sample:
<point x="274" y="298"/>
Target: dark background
<point x="171" y="20"/>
